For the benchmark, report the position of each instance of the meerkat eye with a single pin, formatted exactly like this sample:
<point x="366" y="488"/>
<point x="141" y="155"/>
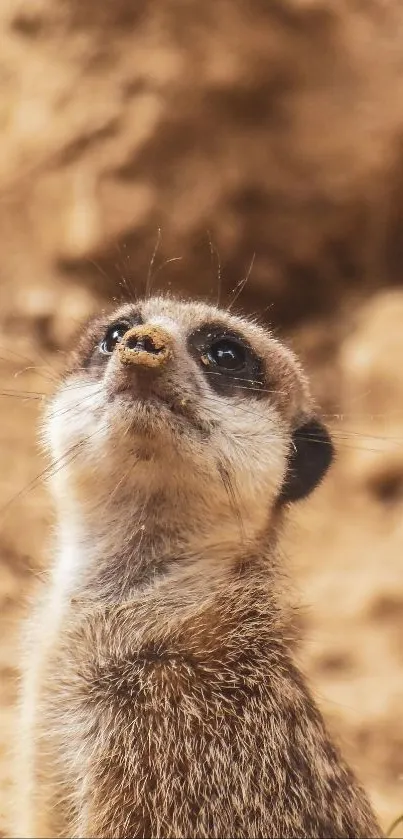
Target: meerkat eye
<point x="229" y="361"/>
<point x="112" y="337"/>
<point x="227" y="354"/>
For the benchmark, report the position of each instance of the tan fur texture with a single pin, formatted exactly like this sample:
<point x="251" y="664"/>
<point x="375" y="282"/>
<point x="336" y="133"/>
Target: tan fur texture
<point x="160" y="695"/>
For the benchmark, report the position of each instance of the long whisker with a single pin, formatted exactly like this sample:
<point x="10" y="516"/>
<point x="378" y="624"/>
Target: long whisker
<point x="26" y="395"/>
<point x="16" y="392"/>
<point x="100" y="269"/>
<point x="57" y="413"/>
<point x="339" y="435"/>
<point x="48" y="472"/>
<point x="164" y="264"/>
<point x="340" y="417"/>
<point x="241" y="285"/>
<point x="343" y="444"/>
<point x="249" y="383"/>
<point x="22" y="357"/>
<point x="61" y="410"/>
<point x="17" y="357"/>
<point x="214" y="253"/>
<point x="74" y="385"/>
<point x="39" y="370"/>
<point x="127" y="280"/>
<point x="151" y="265"/>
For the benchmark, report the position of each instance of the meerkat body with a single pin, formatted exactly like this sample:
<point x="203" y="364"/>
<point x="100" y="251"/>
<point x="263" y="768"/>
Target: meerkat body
<point x="160" y="695"/>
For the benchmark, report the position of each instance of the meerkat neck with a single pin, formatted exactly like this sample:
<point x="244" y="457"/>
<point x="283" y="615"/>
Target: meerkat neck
<point x="108" y="556"/>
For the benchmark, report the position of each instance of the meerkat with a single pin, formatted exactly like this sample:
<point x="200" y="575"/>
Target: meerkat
<point x="160" y="695"/>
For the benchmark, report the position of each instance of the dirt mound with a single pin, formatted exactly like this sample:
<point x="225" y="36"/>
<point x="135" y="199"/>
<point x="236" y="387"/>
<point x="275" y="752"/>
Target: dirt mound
<point x="275" y="129"/>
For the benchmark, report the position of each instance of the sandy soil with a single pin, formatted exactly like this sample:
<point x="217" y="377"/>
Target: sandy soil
<point x="273" y="131"/>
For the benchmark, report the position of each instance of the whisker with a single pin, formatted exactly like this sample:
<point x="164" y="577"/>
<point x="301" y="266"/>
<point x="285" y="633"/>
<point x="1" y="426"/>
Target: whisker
<point x="41" y="370"/>
<point x="341" y="417"/>
<point x="74" y="385"/>
<point x="127" y="280"/>
<point x="50" y="378"/>
<point x="99" y="268"/>
<point x="241" y="285"/>
<point x="151" y="265"/>
<point x="20" y="394"/>
<point x="339" y="435"/>
<point x="345" y="433"/>
<point x="126" y="297"/>
<point x="248" y="387"/>
<point x="165" y="263"/>
<point x="22" y="357"/>
<point x="63" y="411"/>
<point x="343" y="444"/>
<point x="214" y="253"/>
<point x="258" y="316"/>
<point x="218" y="401"/>
<point x="46" y="473"/>
<point x="46" y="364"/>
<point x="16" y="392"/>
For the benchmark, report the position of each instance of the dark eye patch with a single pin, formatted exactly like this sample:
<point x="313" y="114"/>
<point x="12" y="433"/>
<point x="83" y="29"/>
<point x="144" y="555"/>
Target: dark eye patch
<point x="231" y="366"/>
<point x="113" y="336"/>
<point x="86" y="353"/>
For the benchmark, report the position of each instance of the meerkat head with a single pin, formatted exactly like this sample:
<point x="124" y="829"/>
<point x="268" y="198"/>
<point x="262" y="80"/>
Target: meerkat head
<point x="181" y="400"/>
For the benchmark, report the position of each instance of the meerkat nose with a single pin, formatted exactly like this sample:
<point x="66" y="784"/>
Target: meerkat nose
<point x="146" y="346"/>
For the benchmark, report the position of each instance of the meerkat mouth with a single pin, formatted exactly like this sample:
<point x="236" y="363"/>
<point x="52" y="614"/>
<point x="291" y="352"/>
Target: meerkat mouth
<point x="149" y="402"/>
<point x="156" y="411"/>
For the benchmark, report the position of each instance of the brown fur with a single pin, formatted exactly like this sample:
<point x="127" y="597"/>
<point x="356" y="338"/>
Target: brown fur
<point x="161" y="697"/>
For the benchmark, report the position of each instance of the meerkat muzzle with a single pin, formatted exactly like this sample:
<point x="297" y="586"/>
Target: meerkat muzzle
<point x="146" y="346"/>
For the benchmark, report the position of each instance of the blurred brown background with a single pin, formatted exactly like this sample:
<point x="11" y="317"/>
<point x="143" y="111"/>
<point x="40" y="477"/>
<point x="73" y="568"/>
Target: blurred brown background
<point x="272" y="129"/>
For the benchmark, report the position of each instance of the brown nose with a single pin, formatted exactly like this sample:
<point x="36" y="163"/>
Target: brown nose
<point x="147" y="346"/>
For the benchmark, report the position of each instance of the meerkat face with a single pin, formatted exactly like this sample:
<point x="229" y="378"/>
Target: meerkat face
<point x="166" y="394"/>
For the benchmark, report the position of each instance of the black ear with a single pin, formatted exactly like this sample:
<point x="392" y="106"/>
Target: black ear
<point x="310" y="457"/>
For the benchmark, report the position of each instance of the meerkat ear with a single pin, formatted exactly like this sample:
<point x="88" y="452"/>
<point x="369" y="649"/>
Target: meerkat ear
<point x="310" y="457"/>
